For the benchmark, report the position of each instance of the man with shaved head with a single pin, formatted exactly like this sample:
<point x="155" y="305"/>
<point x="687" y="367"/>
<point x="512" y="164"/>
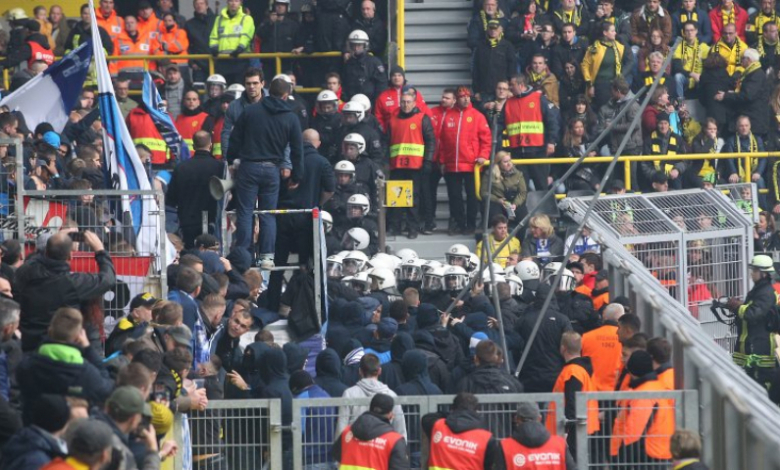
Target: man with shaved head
<point x="44" y="283"/>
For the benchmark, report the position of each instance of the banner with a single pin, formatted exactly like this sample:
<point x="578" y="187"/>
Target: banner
<point x="152" y="102"/>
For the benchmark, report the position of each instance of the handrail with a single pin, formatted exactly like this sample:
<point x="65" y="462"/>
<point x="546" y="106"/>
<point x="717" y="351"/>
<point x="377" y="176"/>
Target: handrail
<point x="627" y="159"/>
<point x="400" y="39"/>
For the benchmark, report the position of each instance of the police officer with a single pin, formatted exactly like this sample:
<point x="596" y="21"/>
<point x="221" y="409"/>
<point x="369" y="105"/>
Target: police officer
<point x="362" y="73"/>
<point x="756" y="320"/>
<point x="459" y="439"/>
<point x="370" y="442"/>
<point x="345" y="188"/>
<point x="353" y="122"/>
<point x="353" y="148"/>
<point x="232" y="34"/>
<point x="358" y="208"/>
<point x="327" y="121"/>
<point x="530" y="442"/>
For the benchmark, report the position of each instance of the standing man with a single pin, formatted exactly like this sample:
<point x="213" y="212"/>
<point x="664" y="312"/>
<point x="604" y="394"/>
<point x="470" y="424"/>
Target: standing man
<point x="259" y="139"/>
<point x="232" y="34"/>
<point x="605" y="60"/>
<point x="188" y="190"/>
<point x="108" y="19"/>
<point x="749" y="97"/>
<point x="373" y="26"/>
<point x="198" y="30"/>
<point x="532" y="124"/>
<point x="529" y="440"/>
<point x="430" y="186"/>
<point x="688" y="60"/>
<point x="494" y="60"/>
<point x="277" y="33"/>
<point x="604" y="349"/>
<point x="731" y="48"/>
<point x="253" y="93"/>
<point x="412" y="143"/>
<point x="464" y="141"/>
<point x="389" y="100"/>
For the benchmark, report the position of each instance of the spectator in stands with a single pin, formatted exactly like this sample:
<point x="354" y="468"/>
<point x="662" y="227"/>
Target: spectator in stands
<point x="174" y="90"/>
<point x="148" y="22"/>
<point x="649" y="16"/>
<point x="714" y="79"/>
<point x="745" y="140"/>
<point x="166" y="6"/>
<point x="688" y="61"/>
<point x="662" y="141"/>
<point x="570" y="48"/>
<point x="706" y="142"/>
<point x="35" y="48"/>
<point x="277" y="33"/>
<point x="655" y="44"/>
<point x="122" y="93"/>
<point x="529" y="435"/>
<point x="46" y="283"/>
<point x="133" y="326"/>
<point x="42" y="440"/>
<point x="659" y="103"/>
<point x="621" y="97"/>
<point x="544" y="42"/>
<point x="604" y="61"/>
<point x="542" y="79"/>
<point x="464" y="140"/>
<point x="332" y="27"/>
<point x="108" y="19"/>
<point x="389" y="100"/>
<point x="60" y="29"/>
<point x="198" y="30"/>
<point x="479" y="24"/>
<point x="572" y="88"/>
<point x="328" y="367"/>
<point x="749" y="98"/>
<point x="572" y="13"/>
<point x="173" y="39"/>
<point x="40" y="15"/>
<point x="541" y="242"/>
<point x="188" y="285"/>
<point x="730" y="47"/>
<point x="362" y="72"/>
<point x="728" y="13"/>
<point x="647" y="77"/>
<point x="685" y="447"/>
<point x="690" y="12"/>
<point x="754" y="29"/>
<point x="489" y="376"/>
<point x="253" y="93"/>
<point x="223" y="40"/>
<point x="508" y="193"/>
<point x="498" y="235"/>
<point x="606" y="12"/>
<point x="768" y="48"/>
<point x="89" y="447"/>
<point x="135" y="41"/>
<point x="373" y="26"/>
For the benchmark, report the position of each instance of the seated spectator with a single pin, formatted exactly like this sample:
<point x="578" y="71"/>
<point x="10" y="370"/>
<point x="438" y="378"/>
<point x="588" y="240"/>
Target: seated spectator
<point x="477" y="28"/>
<point x="570" y="48"/>
<point x="731" y="48"/>
<point x="728" y="13"/>
<point x="706" y="142"/>
<point x="646" y="78"/>
<point x="688" y="61"/>
<point x="541" y="242"/>
<point x="650" y="16"/>
<point x="655" y="44"/>
<point x="540" y="78"/>
<point x="745" y="141"/>
<point x="766" y="13"/>
<point x="663" y="141"/>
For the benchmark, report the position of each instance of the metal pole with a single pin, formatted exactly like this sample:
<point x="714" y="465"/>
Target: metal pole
<point x="21" y="219"/>
<point x="382" y="213"/>
<point x="593" y="201"/>
<point x="317" y="264"/>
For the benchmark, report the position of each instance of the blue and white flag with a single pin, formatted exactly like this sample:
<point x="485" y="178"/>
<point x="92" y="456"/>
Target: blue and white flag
<point x="51" y="95"/>
<point x="151" y="102"/>
<point x="122" y="167"/>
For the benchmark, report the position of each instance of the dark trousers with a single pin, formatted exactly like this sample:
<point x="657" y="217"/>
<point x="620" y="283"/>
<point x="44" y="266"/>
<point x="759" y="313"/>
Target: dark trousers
<point x="293" y="235"/>
<point x="408" y="215"/>
<point x="332" y="30"/>
<point x="428" y="197"/>
<point x="536" y="173"/>
<point x="456" y="184"/>
<point x="256" y="182"/>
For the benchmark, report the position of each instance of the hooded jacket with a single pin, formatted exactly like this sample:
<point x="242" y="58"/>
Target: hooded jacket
<point x="460" y="421"/>
<point x="393" y="372"/>
<point x="369" y="426"/>
<point x="24" y="52"/>
<point x="367" y="388"/>
<point x="437" y="367"/>
<point x="274" y="373"/>
<point x="418" y="382"/>
<point x="262" y="133"/>
<point x="30" y="449"/>
<point x="296" y="356"/>
<point x="328" y="368"/>
<point x="532" y="434"/>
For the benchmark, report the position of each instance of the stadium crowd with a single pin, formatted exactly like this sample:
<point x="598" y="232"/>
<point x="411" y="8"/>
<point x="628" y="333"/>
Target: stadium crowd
<point x="547" y="77"/>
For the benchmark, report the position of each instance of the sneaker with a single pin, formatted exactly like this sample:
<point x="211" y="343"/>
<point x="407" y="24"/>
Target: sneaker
<point x="427" y="229"/>
<point x="412" y="234"/>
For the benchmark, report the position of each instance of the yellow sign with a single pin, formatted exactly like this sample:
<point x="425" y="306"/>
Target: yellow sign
<point x="400" y="193"/>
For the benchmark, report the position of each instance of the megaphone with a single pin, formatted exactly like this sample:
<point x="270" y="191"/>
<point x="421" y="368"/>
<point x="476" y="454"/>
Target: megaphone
<point x="219" y="187"/>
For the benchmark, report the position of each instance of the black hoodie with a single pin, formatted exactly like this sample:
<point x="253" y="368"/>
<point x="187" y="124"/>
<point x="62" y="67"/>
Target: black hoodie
<point x="274" y="374"/>
<point x="418" y="382"/>
<point x="532" y="434"/>
<point x="437" y="367"/>
<point x="392" y="372"/>
<point x="460" y="421"/>
<point x="328" y="368"/>
<point x="369" y="426"/>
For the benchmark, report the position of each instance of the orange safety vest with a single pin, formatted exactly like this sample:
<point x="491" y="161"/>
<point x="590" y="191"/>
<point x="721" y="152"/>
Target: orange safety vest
<point x="114" y="24"/>
<point x="39" y="53"/>
<point x="174" y="42"/>
<point x="578" y="372"/>
<point x="461" y="451"/>
<point x="651" y="419"/>
<point x="604" y="350"/>
<point x="143" y="131"/>
<point x="188" y="126"/>
<point x="667" y="378"/>
<point x="216" y="138"/>
<point x="600" y="300"/>
<point x="366" y="455"/>
<point x="407" y="146"/>
<point x="152" y="26"/>
<point x="524" y="121"/>
<point x="550" y="456"/>
<point x="145" y="45"/>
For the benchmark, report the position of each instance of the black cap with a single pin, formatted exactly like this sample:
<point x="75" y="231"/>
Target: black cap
<point x="602" y="275"/>
<point x="382" y="404"/>
<point x="206" y="240"/>
<point x="493" y="24"/>
<point x="640" y="363"/>
<point x="528" y="411"/>
<point x="662" y="116"/>
<point x="33" y="25"/>
<point x="51" y="412"/>
<point x="143" y="300"/>
<point x="617" y="185"/>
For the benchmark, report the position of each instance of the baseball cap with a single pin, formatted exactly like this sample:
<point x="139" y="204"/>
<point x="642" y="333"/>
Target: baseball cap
<point x="172" y="67"/>
<point x="475" y="339"/>
<point x="528" y="411"/>
<point x="142" y="300"/>
<point x="493" y="24"/>
<point x="602" y="275"/>
<point x="382" y="404"/>
<point x="181" y="334"/>
<point x="387" y="328"/>
<point x="52" y="139"/>
<point x="128" y="400"/>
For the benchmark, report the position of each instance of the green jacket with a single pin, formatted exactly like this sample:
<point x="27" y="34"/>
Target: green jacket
<point x="510" y="188"/>
<point x="229" y="34"/>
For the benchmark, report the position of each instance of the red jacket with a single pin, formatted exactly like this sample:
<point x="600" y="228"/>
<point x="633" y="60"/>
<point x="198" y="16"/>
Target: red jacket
<point x="464" y="137"/>
<point x="389" y="101"/>
<point x="437" y="120"/>
<point x="740" y="20"/>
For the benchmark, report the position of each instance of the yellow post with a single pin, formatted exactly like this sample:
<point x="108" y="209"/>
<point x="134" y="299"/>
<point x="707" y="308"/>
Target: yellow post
<point x="399" y="27"/>
<point x="6" y="83"/>
<point x="748" y="171"/>
<point x="211" y="65"/>
<point x="628" y="176"/>
<point x="278" y="65"/>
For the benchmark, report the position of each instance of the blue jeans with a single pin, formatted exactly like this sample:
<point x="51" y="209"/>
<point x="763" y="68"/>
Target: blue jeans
<point x="681" y="84"/>
<point x="256" y="181"/>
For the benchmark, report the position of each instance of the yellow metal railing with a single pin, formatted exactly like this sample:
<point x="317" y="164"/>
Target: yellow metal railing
<point x="627" y="159"/>
<point x="400" y="33"/>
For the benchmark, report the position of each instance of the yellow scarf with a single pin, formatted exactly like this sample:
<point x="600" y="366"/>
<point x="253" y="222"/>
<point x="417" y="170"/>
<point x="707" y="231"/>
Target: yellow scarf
<point x="694" y="50"/>
<point x="612" y="46"/>
<point x="494" y="42"/>
<point x="537" y="78"/>
<point x="761" y="20"/>
<point x="762" y="52"/>
<point x="574" y="16"/>
<point x="728" y="18"/>
<point x="753" y="149"/>
<point x="731" y="67"/>
<point x="750" y="69"/>
<point x="485" y="19"/>
<point x="686" y="16"/>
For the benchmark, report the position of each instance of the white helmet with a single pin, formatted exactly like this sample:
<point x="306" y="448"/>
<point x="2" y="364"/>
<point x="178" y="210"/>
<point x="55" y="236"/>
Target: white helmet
<point x="335" y="266"/>
<point x="455" y="278"/>
<point x="406" y="253"/>
<point x="382" y="260"/>
<point x="355" y="139"/>
<point x="515" y="284"/>
<point x="411" y="270"/>
<point x="343" y="253"/>
<point x="527" y="270"/>
<point x="358" y="201"/>
<point x="326" y="95"/>
<point x="458" y="255"/>
<point x="568" y="281"/>
<point x="356" y="238"/>
<point x="496" y="268"/>
<point x="216" y="79"/>
<point x="236" y="89"/>
<point x="489" y="284"/>
<point x="354" y="262"/>
<point x="509" y="270"/>
<point x="433" y="280"/>
<point x="362" y="99"/>
<point x="473" y="263"/>
<point x="360" y="283"/>
<point x="327" y="221"/>
<point x="431" y="264"/>
<point x="382" y="278"/>
<point x="353" y="107"/>
<point x="345" y="166"/>
<point x="549" y="271"/>
<point x="358" y="37"/>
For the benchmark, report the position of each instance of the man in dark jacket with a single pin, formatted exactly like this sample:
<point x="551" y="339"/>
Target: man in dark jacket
<point x="198" y="29"/>
<point x="41" y="441"/>
<point x="328" y="368"/>
<point x="45" y="283"/>
<point x="373" y="26"/>
<point x="259" y="138"/>
<point x="362" y="72"/>
<point x="359" y="444"/>
<point x="531" y="434"/>
<point x="274" y="374"/>
<point x="462" y="422"/>
<point x="544" y="361"/>
<point x="437" y="367"/>
<point x="188" y="190"/>
<point x="25" y="52"/>
<point x="489" y="376"/>
<point x="494" y="61"/>
<point x="749" y="99"/>
<point x="253" y="93"/>
<point x="418" y="382"/>
<point x="277" y="33"/>
<point x="64" y="364"/>
<point x="571" y="48"/>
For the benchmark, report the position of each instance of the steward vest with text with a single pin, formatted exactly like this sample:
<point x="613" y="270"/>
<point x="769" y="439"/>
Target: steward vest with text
<point x="366" y="455"/>
<point x="39" y="54"/>
<point x="407" y="145"/>
<point x="550" y="456"/>
<point x="453" y="451"/>
<point x="524" y="120"/>
<point x="188" y="126"/>
<point x="579" y="373"/>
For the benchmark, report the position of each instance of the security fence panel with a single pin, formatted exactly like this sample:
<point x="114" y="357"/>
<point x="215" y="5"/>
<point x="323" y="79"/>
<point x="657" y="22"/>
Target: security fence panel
<point x="634" y="428"/>
<point x="744" y="196"/>
<point x="237" y="434"/>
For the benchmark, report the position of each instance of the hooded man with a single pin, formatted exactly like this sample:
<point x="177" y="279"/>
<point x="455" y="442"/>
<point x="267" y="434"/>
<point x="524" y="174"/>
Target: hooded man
<point x="418" y="382"/>
<point x="328" y="368"/>
<point x="393" y="372"/>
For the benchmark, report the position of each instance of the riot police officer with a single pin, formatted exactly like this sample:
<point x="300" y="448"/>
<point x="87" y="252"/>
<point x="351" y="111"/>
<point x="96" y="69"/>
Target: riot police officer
<point x="362" y="73"/>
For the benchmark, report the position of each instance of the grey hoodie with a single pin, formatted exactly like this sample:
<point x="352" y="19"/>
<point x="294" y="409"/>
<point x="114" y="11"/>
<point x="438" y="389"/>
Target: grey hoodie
<point x="367" y="388"/>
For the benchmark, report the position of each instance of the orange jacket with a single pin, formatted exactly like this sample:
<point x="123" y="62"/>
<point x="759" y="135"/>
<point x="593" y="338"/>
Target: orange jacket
<point x="389" y="101"/>
<point x="604" y="349"/>
<point x="174" y="42"/>
<point x="143" y="44"/>
<point x="651" y="419"/>
<point x="578" y="370"/>
<point x="666" y="376"/>
<point x="114" y="24"/>
<point x="153" y="25"/>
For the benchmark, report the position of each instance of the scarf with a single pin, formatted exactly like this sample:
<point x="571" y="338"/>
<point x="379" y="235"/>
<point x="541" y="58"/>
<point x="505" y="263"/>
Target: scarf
<point x="612" y="46"/>
<point x="750" y="69"/>
<point x="761" y="50"/>
<point x="728" y="18"/>
<point x="494" y="42"/>
<point x="537" y="78"/>
<point x="686" y="16"/>
<point x="732" y="66"/>
<point x="753" y="149"/>
<point x="485" y="19"/>
<point x="574" y="16"/>
<point x="686" y="49"/>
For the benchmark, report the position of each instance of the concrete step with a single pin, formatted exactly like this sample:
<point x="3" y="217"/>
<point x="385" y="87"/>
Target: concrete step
<point x="455" y="78"/>
<point x="441" y="6"/>
<point x="458" y="37"/>
<point x="459" y="19"/>
<point x="424" y="49"/>
<point x="420" y="66"/>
